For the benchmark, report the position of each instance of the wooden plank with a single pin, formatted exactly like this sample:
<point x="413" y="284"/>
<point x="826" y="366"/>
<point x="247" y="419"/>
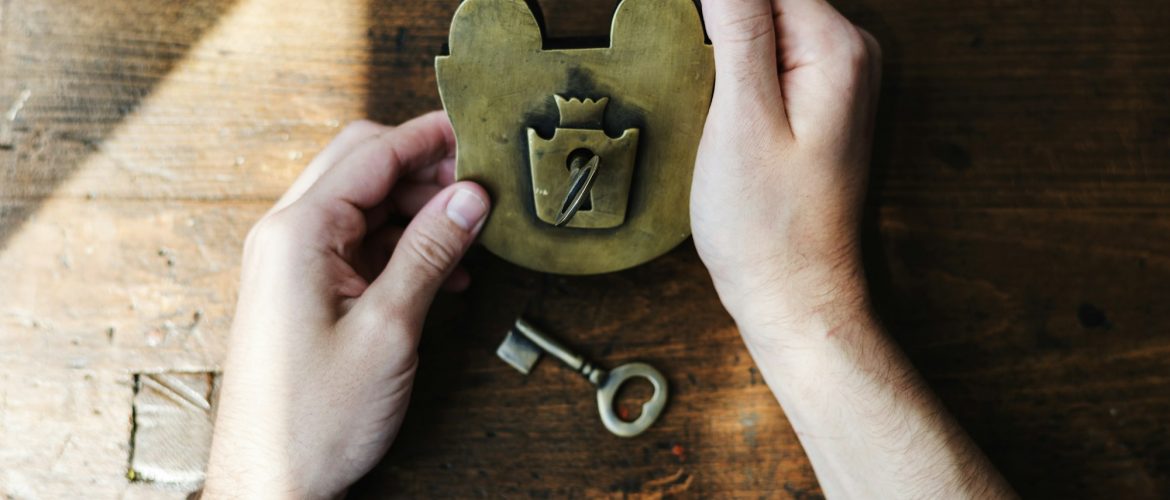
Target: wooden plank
<point x="202" y="101"/>
<point x="1045" y="332"/>
<point x="1038" y="104"/>
<point x="93" y="292"/>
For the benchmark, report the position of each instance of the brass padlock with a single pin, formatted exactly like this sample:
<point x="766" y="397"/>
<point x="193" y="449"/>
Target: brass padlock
<point x="587" y="153"/>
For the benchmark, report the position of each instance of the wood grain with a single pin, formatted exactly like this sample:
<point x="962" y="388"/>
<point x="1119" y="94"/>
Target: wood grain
<point x="1018" y="244"/>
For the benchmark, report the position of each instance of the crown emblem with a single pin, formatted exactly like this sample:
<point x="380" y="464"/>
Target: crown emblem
<point x="578" y="113"/>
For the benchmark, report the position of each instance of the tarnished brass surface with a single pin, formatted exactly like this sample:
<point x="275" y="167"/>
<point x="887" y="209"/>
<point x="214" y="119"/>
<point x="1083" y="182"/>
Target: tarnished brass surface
<point x="529" y="121"/>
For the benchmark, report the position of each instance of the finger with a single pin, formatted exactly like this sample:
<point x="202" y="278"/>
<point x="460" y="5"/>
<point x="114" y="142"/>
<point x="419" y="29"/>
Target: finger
<point x="427" y="254"/>
<point x="380" y="246"/>
<point x="743" y="33"/>
<point x="406" y="200"/>
<point x="825" y="61"/>
<point x="353" y="134"/>
<point x="810" y="32"/>
<point x="874" y="49"/>
<point x="437" y="173"/>
<point x="446" y="174"/>
<point x="365" y="176"/>
<point x="410" y="198"/>
<point x="459" y="281"/>
<point x="377" y="249"/>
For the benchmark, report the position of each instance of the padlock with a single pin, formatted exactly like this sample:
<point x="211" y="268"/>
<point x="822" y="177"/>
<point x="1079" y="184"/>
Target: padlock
<point x="587" y="153"/>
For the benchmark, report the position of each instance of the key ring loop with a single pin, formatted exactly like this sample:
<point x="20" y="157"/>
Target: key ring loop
<point x="651" y="409"/>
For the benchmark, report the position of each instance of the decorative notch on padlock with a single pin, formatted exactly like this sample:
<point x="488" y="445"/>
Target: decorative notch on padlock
<point x="581" y="176"/>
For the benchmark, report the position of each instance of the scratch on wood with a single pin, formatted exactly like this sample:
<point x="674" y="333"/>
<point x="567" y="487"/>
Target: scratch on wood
<point x="18" y="105"/>
<point x="176" y="389"/>
<point x="673" y="484"/>
<point x="145" y="170"/>
<point x="662" y="481"/>
<point x="88" y="142"/>
<point x="61" y="452"/>
<point x="6" y="135"/>
<point x="749" y="422"/>
<point x="202" y="247"/>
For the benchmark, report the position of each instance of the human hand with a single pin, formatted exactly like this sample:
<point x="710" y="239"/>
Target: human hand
<point x="782" y="167"/>
<point x="775" y="209"/>
<point x="332" y="300"/>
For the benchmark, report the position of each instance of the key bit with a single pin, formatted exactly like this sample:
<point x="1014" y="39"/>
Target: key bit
<point x="582" y="173"/>
<point x="519" y="352"/>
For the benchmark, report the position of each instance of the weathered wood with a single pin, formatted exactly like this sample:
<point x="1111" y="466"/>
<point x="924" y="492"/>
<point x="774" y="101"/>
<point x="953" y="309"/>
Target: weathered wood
<point x="1018" y="244"/>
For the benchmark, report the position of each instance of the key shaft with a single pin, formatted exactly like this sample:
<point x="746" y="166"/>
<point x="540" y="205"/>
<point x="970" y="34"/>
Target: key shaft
<point x="578" y="363"/>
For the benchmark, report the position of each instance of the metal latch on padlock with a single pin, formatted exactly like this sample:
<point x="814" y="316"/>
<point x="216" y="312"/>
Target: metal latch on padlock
<point x="581" y="176"/>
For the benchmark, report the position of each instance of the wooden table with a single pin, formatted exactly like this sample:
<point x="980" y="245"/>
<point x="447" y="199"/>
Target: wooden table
<point x="1018" y="244"/>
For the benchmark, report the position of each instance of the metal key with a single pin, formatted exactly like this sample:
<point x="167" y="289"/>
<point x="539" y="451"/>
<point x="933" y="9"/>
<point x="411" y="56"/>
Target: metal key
<point x="524" y="345"/>
<point x="582" y="173"/>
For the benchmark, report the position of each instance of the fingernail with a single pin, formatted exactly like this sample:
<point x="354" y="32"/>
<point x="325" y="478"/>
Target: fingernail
<point x="466" y="209"/>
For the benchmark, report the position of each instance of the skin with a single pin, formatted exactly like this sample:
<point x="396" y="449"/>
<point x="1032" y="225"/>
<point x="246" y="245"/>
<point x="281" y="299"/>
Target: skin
<point x="333" y="294"/>
<point x="776" y="207"/>
<point x="332" y="300"/>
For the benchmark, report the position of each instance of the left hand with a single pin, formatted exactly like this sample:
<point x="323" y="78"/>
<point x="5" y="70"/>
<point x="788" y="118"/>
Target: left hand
<point x="332" y="301"/>
<point x="780" y="177"/>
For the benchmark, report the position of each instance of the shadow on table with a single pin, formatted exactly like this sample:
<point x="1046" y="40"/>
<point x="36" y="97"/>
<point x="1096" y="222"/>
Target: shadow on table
<point x="71" y="92"/>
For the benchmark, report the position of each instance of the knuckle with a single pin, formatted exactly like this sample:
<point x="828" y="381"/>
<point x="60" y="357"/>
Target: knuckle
<point x="434" y="253"/>
<point x="854" y="45"/>
<point x="362" y="128"/>
<point x="376" y="320"/>
<point x="856" y="54"/>
<point x="269" y="230"/>
<point x="747" y="28"/>
<point x="339" y="219"/>
<point x="872" y="45"/>
<point x="841" y="40"/>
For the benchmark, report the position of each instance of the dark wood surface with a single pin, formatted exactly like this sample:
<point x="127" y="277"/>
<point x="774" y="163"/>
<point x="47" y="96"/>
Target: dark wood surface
<point x="1017" y="240"/>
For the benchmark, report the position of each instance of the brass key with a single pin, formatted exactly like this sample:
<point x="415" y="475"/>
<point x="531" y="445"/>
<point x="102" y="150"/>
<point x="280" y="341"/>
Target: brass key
<point x="524" y="345"/>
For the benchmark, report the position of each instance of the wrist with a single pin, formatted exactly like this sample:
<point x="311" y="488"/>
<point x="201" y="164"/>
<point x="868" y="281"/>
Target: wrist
<point x="810" y="305"/>
<point x="254" y="454"/>
<point x="241" y="474"/>
<point x="810" y="344"/>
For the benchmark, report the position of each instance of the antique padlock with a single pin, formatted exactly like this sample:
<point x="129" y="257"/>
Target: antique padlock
<point x="586" y="152"/>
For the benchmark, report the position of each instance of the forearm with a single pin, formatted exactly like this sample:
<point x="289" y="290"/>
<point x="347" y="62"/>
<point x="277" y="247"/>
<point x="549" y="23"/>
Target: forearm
<point x="869" y="424"/>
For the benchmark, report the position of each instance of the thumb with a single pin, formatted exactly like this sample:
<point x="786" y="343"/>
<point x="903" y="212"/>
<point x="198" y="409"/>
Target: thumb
<point x="428" y="252"/>
<point x="743" y="33"/>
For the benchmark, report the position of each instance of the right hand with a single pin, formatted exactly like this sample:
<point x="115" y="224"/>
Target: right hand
<point x="781" y="172"/>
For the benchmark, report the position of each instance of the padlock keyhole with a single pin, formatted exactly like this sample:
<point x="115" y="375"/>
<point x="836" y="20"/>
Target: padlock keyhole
<point x="581" y="156"/>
